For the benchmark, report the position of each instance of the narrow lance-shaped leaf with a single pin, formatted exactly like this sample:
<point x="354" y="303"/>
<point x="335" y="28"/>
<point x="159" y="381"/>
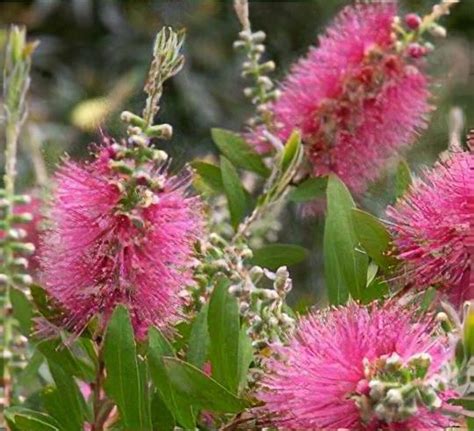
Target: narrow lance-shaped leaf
<point x="59" y="354"/>
<point x="29" y="420"/>
<point x="22" y="310"/>
<point x="272" y="256"/>
<point x="124" y="382"/>
<point x="374" y="237"/>
<point x="179" y="407"/>
<point x="224" y="327"/>
<point x="245" y="358"/>
<point x="345" y="266"/>
<point x="290" y="151"/>
<point x="200" y="389"/>
<point x="403" y="179"/>
<point x="308" y="190"/>
<point x="241" y="154"/>
<point x="210" y="174"/>
<point x="234" y="191"/>
<point x="199" y="340"/>
<point x="65" y="402"/>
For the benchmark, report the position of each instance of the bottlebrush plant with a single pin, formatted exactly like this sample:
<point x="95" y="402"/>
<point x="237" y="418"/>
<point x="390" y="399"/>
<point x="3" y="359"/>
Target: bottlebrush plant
<point x="139" y="296"/>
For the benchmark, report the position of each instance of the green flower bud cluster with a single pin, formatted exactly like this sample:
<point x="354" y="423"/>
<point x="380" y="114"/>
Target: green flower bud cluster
<point x="167" y="62"/>
<point x="13" y="249"/>
<point x="398" y="388"/>
<point x="262" y="92"/>
<point x="136" y="166"/>
<point x="260" y="293"/>
<point x="409" y="34"/>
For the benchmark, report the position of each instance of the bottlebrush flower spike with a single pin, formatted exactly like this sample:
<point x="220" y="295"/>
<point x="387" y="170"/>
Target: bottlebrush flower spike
<point x="99" y="253"/>
<point x="364" y="368"/>
<point x="433" y="228"/>
<point x="356" y="98"/>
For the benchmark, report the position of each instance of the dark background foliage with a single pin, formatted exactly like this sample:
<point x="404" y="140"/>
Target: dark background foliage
<point x="93" y="49"/>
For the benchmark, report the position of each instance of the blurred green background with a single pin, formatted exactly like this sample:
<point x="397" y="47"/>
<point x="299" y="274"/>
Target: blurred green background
<point x="94" y="55"/>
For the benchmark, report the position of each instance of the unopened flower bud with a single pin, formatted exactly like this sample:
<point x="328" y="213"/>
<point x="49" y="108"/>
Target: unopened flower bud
<point x="258" y="36"/>
<point x="120" y="166"/>
<point x="269" y="66"/>
<point x="23" y="279"/>
<point x="438" y="30"/>
<point x="431" y="398"/>
<point x="393" y="362"/>
<point x="20" y="262"/>
<point x="238" y="44"/>
<point x="235" y="290"/>
<point x="20" y="247"/>
<point x="415" y="50"/>
<point x="160" y="156"/>
<point x="245" y="35"/>
<point x="394" y="397"/>
<point x="16" y="234"/>
<point x="421" y="361"/>
<point x="246" y="253"/>
<point x="138" y="140"/>
<point x="22" y="218"/>
<point x="163" y="131"/>
<point x="266" y="82"/>
<point x="22" y="199"/>
<point x="377" y="390"/>
<point x="244" y="307"/>
<point x="413" y="21"/>
<point x="131" y="118"/>
<point x="287" y="320"/>
<point x="256" y="273"/>
<point x="249" y="92"/>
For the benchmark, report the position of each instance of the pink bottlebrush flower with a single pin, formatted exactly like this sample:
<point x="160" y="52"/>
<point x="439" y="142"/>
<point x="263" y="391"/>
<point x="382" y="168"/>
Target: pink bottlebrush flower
<point x="331" y="374"/>
<point x="356" y="100"/>
<point x="433" y="228"/>
<point x="96" y="255"/>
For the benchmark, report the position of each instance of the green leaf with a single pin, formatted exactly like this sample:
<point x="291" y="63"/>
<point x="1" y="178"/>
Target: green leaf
<point x="200" y="389"/>
<point x="29" y="420"/>
<point x="245" y="358"/>
<point x="374" y="237"/>
<point x="59" y="354"/>
<point x="428" y="297"/>
<point x="28" y="375"/>
<point x="22" y="310"/>
<point x="345" y="267"/>
<point x="124" y="381"/>
<point x="162" y="419"/>
<point x="241" y="154"/>
<point x="199" y="340"/>
<point x="224" y="328"/>
<point x="273" y="256"/>
<point x="65" y="402"/>
<point x="210" y="175"/>
<point x="308" y="190"/>
<point x="234" y="191"/>
<point x="377" y="289"/>
<point x="290" y="151"/>
<point x="178" y="406"/>
<point x="403" y="179"/>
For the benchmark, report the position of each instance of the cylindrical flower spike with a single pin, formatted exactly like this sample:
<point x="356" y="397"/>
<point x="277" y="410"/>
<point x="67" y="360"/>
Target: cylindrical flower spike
<point x="364" y="368"/>
<point x="114" y="241"/>
<point x="356" y="99"/>
<point x="433" y="228"/>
